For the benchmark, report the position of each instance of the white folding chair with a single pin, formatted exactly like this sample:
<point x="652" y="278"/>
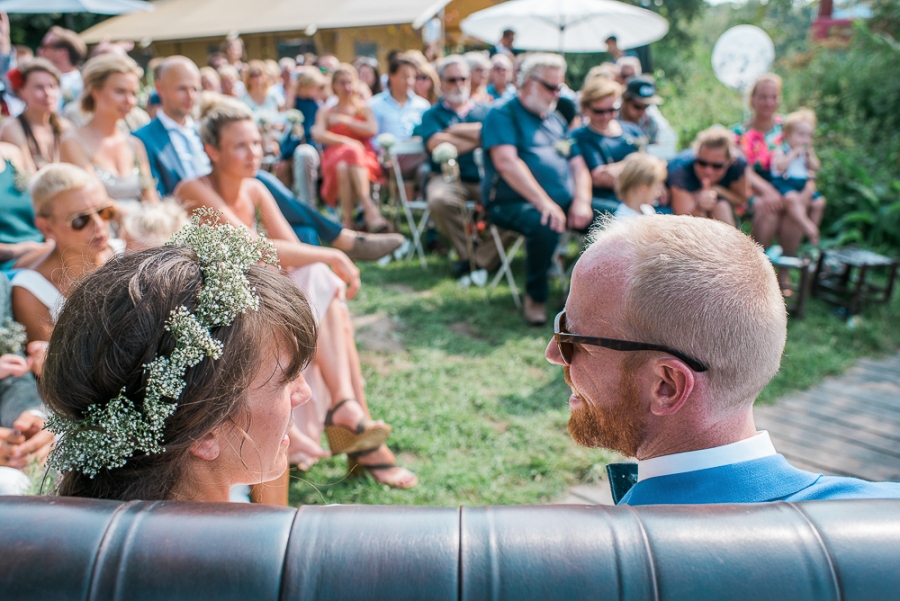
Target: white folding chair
<point x="410" y="147"/>
<point x="506" y="257"/>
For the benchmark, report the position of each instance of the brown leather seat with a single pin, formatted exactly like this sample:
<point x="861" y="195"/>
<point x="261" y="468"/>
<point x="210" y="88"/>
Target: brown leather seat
<point x="57" y="548"/>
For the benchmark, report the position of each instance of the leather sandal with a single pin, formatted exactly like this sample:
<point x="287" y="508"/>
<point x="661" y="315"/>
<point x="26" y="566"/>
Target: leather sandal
<point x="367" y="435"/>
<point x="353" y="472"/>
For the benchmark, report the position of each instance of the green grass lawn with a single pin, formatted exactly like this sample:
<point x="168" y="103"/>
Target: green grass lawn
<point x="477" y="411"/>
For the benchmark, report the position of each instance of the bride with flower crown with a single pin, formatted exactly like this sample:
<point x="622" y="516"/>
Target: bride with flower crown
<point x="233" y="144"/>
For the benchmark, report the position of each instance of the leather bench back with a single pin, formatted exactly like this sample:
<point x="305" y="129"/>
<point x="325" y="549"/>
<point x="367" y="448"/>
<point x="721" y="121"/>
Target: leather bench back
<point x="75" y="549"/>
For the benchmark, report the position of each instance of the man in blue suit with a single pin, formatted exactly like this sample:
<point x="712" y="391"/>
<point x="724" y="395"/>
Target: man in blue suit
<point x="176" y="153"/>
<point x="672" y="327"/>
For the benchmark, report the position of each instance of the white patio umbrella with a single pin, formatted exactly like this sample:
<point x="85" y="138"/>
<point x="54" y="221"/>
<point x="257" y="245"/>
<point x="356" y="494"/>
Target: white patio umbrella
<point x="567" y="25"/>
<point x="100" y="7"/>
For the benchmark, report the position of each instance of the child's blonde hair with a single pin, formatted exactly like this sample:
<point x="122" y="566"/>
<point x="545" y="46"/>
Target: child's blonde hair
<point x="153" y="224"/>
<point x="797" y="117"/>
<point x="309" y="77"/>
<point x="639" y="169"/>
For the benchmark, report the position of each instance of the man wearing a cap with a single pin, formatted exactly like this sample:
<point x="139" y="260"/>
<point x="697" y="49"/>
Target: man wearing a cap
<point x="639" y="106"/>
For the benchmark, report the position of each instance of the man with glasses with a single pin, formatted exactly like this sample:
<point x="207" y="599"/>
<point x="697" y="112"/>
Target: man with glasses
<point x="535" y="182"/>
<point x="500" y="86"/>
<point x="640" y="106"/>
<point x="672" y="327"/>
<point x="456" y="120"/>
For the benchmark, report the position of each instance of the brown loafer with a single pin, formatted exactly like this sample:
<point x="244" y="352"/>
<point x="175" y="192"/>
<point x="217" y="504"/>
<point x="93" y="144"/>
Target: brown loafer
<point x="535" y="313"/>
<point x="371" y="247"/>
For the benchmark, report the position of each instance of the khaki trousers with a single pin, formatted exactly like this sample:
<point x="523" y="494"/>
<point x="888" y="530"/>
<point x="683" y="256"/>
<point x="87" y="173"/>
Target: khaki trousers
<point x="447" y="201"/>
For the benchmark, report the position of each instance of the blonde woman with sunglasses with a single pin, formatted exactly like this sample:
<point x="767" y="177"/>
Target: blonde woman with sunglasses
<point x="72" y="209"/>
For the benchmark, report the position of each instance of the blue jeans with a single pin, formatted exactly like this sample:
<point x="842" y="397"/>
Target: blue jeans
<point x="309" y="225"/>
<point x="540" y="240"/>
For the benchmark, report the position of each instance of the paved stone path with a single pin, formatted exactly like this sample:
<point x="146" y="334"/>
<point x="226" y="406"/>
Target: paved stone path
<point x="845" y="426"/>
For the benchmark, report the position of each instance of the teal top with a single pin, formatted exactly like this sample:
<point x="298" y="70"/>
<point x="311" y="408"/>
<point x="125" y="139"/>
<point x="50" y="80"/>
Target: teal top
<point x="16" y="211"/>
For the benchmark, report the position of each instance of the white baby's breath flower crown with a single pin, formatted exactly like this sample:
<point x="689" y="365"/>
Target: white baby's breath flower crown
<point x="110" y="433"/>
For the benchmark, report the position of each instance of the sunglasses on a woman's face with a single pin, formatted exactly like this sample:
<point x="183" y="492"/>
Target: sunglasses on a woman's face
<point x="704" y="163"/>
<point x="80" y="221"/>
<point x="422" y="77"/>
<point x="566" y="341"/>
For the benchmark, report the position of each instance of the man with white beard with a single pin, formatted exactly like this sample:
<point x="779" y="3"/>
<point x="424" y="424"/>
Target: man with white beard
<point x="536" y="183"/>
<point x="456" y="119"/>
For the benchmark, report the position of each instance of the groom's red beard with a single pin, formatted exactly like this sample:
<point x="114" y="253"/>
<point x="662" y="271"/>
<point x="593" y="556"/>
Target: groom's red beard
<point x="620" y="428"/>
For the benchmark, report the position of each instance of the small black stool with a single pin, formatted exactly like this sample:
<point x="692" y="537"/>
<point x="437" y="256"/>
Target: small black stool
<point x="800" y="289"/>
<point x="842" y="289"/>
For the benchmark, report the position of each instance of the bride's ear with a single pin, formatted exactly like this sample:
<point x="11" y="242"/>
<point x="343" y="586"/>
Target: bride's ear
<point x="206" y="448"/>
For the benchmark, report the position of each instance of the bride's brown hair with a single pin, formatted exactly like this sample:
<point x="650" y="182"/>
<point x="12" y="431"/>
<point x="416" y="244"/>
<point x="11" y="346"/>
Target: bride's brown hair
<point x="112" y="325"/>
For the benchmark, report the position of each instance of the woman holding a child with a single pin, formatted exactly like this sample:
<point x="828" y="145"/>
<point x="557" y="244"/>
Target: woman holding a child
<point x="774" y="215"/>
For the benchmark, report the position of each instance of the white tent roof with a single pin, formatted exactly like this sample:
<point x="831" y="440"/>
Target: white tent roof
<point x="188" y="19"/>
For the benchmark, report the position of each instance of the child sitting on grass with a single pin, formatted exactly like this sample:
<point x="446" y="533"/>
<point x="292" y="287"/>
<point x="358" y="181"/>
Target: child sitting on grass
<point x="794" y="167"/>
<point x="639" y="184"/>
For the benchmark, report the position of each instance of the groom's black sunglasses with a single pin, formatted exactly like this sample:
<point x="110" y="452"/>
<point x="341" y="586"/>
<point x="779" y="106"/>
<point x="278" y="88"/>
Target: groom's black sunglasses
<point x="566" y="342"/>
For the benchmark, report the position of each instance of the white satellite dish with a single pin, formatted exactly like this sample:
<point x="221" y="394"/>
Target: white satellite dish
<point x="742" y="54"/>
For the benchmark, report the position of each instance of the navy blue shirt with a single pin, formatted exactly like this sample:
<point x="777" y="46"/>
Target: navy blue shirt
<point x="541" y="143"/>
<point x="598" y="149"/>
<point x="682" y="175"/>
<point x="440" y="117"/>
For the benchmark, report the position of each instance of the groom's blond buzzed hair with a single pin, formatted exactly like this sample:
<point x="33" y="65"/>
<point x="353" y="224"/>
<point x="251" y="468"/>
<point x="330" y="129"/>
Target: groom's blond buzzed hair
<point x="706" y="289"/>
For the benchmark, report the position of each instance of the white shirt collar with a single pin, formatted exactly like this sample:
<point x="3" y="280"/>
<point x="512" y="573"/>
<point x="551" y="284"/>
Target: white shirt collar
<point x="755" y="447"/>
<point x="171" y="124"/>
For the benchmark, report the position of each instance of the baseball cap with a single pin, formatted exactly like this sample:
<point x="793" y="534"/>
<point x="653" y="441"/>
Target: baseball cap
<point x="643" y="89"/>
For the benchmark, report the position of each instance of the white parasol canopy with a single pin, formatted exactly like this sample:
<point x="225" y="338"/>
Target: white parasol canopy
<point x="567" y="25"/>
<point x="100" y="7"/>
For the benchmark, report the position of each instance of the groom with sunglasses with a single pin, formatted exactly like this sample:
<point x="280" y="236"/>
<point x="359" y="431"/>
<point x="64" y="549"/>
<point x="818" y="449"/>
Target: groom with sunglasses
<point x="672" y="327"/>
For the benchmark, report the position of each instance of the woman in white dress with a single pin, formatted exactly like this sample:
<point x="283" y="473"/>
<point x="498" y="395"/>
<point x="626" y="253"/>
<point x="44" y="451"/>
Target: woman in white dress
<point x="234" y="146"/>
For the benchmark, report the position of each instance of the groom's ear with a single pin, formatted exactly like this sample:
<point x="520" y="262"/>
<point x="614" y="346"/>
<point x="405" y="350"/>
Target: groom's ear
<point x="206" y="448"/>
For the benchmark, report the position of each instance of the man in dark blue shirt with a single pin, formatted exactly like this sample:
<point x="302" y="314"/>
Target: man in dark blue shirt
<point x="534" y="183"/>
<point x="456" y="120"/>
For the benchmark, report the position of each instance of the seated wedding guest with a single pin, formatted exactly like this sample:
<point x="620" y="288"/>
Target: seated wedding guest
<point x="534" y="183"/>
<point x="65" y="49"/>
<point x="298" y="168"/>
<point x="72" y="209"/>
<point x="349" y="163"/>
<point x="709" y="179"/>
<point x="794" y="168"/>
<point x="229" y="81"/>
<point x="22" y="437"/>
<point x="259" y="96"/>
<point x="639" y="185"/>
<point x="456" y="120"/>
<point x="500" y="84"/>
<point x="480" y="68"/>
<point x="152" y="225"/>
<point x="228" y="422"/>
<point x="398" y="110"/>
<point x="285" y="81"/>
<point x="427" y="83"/>
<point x="367" y="69"/>
<point x="640" y="106"/>
<point x="19" y="236"/>
<point x="119" y="161"/>
<point x="176" y="153"/>
<point x="605" y="141"/>
<point x="702" y="305"/>
<point x="210" y="80"/>
<point x="629" y="67"/>
<point x="234" y="148"/>
<point x="36" y="130"/>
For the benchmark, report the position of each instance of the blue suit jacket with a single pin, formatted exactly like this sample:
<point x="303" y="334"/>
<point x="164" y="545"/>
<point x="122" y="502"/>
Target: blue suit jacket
<point x="164" y="162"/>
<point x="760" y="480"/>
